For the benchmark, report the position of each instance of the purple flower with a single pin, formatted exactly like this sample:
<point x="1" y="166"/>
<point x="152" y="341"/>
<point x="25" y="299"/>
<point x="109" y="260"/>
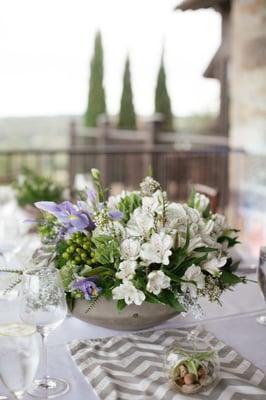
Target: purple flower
<point x="87" y="286"/>
<point x="116" y="215"/>
<point x="73" y="219"/>
<point x="91" y="196"/>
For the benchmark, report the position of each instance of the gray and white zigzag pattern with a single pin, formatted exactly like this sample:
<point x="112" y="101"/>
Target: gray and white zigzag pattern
<point x="131" y="368"/>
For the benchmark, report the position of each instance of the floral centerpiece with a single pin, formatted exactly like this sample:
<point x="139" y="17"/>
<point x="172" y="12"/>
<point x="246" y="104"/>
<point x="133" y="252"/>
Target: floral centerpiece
<point x="139" y="247"/>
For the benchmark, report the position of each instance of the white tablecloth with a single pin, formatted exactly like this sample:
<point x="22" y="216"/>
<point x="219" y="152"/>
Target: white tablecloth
<point x="234" y="323"/>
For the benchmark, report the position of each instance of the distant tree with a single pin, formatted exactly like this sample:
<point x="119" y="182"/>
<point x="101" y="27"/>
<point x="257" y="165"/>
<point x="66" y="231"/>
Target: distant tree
<point x="96" y="97"/>
<point x="127" y="116"/>
<point x="162" y="99"/>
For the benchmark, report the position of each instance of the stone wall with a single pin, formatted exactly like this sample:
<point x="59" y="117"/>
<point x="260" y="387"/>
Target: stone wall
<point x="248" y="75"/>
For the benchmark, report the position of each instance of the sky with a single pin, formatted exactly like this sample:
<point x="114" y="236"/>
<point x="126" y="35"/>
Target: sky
<point x="46" y="46"/>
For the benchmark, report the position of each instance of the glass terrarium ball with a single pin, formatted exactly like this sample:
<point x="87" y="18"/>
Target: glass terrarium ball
<point x="191" y="365"/>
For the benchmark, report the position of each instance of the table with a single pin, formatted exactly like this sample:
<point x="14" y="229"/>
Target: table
<point x="234" y="323"/>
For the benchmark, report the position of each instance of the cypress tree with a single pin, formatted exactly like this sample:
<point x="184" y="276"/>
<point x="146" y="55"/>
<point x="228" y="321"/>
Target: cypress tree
<point x="127" y="116"/>
<point x="96" y="97"/>
<point x="162" y="99"/>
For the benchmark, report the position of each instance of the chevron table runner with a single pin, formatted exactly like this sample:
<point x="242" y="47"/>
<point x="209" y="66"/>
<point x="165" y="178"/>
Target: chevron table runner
<point x="131" y="368"/>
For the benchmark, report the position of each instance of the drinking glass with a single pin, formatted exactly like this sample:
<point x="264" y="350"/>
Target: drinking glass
<point x="262" y="280"/>
<point x="19" y="357"/>
<point x="43" y="304"/>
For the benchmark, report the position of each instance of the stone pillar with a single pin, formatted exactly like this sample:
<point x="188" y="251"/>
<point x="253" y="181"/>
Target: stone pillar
<point x="248" y="117"/>
<point x="103" y="124"/>
<point x="248" y="74"/>
<point x="72" y="160"/>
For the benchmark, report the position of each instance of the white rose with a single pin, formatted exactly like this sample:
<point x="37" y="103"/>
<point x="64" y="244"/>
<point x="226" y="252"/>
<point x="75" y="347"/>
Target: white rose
<point x="157" y="281"/>
<point x="130" y="249"/>
<point x="128" y="292"/>
<point x="213" y="266"/>
<point x="195" y="280"/>
<point x="126" y="270"/>
<point x="157" y="250"/>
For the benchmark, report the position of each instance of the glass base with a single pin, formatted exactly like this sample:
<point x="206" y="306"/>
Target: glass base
<point x="49" y="389"/>
<point x="261" y="320"/>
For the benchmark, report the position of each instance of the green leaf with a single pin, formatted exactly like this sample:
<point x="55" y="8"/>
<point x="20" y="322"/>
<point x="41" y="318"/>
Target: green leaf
<point x="121" y="304"/>
<point x="204" y="250"/>
<point x="168" y="297"/>
<point x="228" y="278"/>
<point x="98" y="271"/>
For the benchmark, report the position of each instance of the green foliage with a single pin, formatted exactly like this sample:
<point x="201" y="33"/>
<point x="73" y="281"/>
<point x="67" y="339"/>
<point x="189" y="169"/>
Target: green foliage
<point x="128" y="204"/>
<point x="162" y="99"/>
<point x="96" y="97"/>
<point x="47" y="228"/>
<point x="229" y="236"/>
<point x="229" y="279"/>
<point x="127" y="116"/>
<point x="31" y="187"/>
<point x="107" y="250"/>
<point x="67" y="273"/>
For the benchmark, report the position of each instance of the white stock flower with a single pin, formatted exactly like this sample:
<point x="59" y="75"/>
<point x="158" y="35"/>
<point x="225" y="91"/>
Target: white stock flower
<point x="128" y="292"/>
<point x="130" y="249"/>
<point x="195" y="280"/>
<point x="140" y="224"/>
<point x="126" y="270"/>
<point x="157" y="281"/>
<point x="213" y="266"/>
<point x="201" y="202"/>
<point x="157" y="250"/>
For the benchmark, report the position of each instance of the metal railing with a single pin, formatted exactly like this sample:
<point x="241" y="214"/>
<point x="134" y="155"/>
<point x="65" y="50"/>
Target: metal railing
<point x="126" y="165"/>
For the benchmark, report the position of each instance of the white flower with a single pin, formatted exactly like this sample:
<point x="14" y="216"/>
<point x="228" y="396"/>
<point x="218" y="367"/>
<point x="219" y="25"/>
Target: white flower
<point x="130" y="249"/>
<point x="201" y="202"/>
<point x="126" y="270"/>
<point x="194" y="243"/>
<point x="109" y="229"/>
<point x="150" y="204"/>
<point x="213" y="266"/>
<point x="175" y="216"/>
<point x="219" y="224"/>
<point x="128" y="292"/>
<point x="140" y="224"/>
<point x="157" y="250"/>
<point x="157" y="281"/>
<point x="206" y="227"/>
<point x="113" y="201"/>
<point x="192" y="214"/>
<point x="195" y="280"/>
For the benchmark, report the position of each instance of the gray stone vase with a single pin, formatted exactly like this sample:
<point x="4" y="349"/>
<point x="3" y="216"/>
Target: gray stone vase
<point x="132" y="318"/>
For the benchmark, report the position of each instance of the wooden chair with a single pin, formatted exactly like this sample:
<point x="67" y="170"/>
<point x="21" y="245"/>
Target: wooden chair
<point x="210" y="192"/>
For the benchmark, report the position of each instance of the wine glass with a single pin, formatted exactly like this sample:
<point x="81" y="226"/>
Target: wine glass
<point x="19" y="357"/>
<point x="43" y="304"/>
<point x="261" y="273"/>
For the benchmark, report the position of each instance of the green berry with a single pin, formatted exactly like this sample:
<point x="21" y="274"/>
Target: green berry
<point x="65" y="255"/>
<point x="77" y="259"/>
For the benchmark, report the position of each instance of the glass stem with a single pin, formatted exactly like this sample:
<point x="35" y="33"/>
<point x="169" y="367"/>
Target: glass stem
<point x="44" y="358"/>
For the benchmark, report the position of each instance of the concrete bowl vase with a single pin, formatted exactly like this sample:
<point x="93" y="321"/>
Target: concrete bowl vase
<point x="132" y="318"/>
